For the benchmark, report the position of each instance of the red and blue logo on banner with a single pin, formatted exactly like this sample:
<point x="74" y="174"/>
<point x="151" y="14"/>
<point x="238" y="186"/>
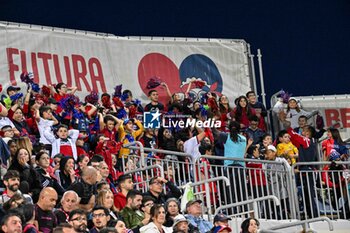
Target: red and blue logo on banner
<point x="195" y="66"/>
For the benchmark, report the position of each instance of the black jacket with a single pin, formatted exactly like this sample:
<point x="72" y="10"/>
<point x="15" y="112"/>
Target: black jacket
<point x="161" y="199"/>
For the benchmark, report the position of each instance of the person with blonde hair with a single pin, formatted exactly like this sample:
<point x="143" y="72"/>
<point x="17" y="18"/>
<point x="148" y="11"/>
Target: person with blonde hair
<point x="105" y="198"/>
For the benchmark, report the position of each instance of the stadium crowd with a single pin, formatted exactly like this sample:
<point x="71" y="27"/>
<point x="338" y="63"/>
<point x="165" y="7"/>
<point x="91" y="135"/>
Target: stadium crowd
<point x="63" y="160"/>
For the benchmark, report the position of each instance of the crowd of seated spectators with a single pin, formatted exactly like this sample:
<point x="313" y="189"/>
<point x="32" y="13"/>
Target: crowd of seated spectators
<point x="63" y="158"/>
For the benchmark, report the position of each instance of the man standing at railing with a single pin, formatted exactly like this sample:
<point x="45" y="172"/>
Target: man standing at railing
<point x="276" y="177"/>
<point x="307" y="147"/>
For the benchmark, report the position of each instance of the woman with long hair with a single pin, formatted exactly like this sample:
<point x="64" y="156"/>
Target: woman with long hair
<point x="235" y="146"/>
<point x="105" y="198"/>
<point x="30" y="181"/>
<point x="224" y="109"/>
<point x="42" y="160"/>
<point x="250" y="225"/>
<point x="17" y="118"/>
<point x="333" y="142"/>
<point x="12" y="145"/>
<point x="242" y="112"/>
<point x="66" y="173"/>
<point x="157" y="221"/>
<point x="83" y="161"/>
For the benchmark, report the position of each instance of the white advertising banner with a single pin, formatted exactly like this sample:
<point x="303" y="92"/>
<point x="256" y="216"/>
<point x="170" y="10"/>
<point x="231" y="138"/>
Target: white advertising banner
<point x="99" y="63"/>
<point x="335" y="110"/>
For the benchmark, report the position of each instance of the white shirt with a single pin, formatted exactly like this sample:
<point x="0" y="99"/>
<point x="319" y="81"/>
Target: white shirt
<point x="44" y="125"/>
<point x="191" y="146"/>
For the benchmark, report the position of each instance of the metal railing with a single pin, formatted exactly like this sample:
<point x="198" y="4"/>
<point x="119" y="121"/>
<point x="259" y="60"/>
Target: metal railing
<point x="140" y="147"/>
<point x="254" y="201"/>
<point x="207" y="190"/>
<point x="248" y="181"/>
<point x="251" y="183"/>
<point x="321" y="189"/>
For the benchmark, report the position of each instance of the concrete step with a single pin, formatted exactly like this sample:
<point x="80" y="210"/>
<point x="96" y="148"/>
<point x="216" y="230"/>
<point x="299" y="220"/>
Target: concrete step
<point x="340" y="226"/>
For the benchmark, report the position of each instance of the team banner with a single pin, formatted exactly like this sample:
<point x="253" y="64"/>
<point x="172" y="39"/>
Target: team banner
<point x="98" y="63"/>
<point x="334" y="109"/>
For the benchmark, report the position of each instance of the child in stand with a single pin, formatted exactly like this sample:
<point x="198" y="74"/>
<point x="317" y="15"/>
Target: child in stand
<point x="109" y="125"/>
<point x="128" y="134"/>
<point x="65" y="142"/>
<point x="45" y="120"/>
<point x="7" y="133"/>
<point x="107" y="148"/>
<point x="285" y="148"/>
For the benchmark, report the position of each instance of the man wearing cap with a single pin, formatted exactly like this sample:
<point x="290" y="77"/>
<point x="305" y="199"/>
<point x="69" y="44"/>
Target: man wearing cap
<point x="180" y="224"/>
<point x="194" y="216"/>
<point x="277" y="180"/>
<point x="156" y="190"/>
<point x="220" y="220"/>
<point x="128" y="134"/>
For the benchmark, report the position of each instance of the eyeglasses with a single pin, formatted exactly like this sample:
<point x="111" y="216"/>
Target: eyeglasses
<point x="79" y="219"/>
<point x="98" y="215"/>
<point x="149" y="204"/>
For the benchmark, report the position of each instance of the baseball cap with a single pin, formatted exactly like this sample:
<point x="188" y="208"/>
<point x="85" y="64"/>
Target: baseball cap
<point x="221" y="217"/>
<point x="179" y="218"/>
<point x="126" y="121"/>
<point x="12" y="88"/>
<point x="189" y="203"/>
<point x="292" y="98"/>
<point x="221" y="228"/>
<point x="52" y="101"/>
<point x="271" y="147"/>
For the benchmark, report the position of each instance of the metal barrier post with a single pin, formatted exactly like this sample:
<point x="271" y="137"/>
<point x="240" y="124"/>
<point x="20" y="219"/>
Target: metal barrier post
<point x="140" y="147"/>
<point x="147" y="168"/>
<point x="320" y="196"/>
<point x="274" y="198"/>
<point x="207" y="191"/>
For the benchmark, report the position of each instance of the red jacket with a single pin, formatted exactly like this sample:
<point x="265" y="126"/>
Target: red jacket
<point x="119" y="201"/>
<point x="256" y="174"/>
